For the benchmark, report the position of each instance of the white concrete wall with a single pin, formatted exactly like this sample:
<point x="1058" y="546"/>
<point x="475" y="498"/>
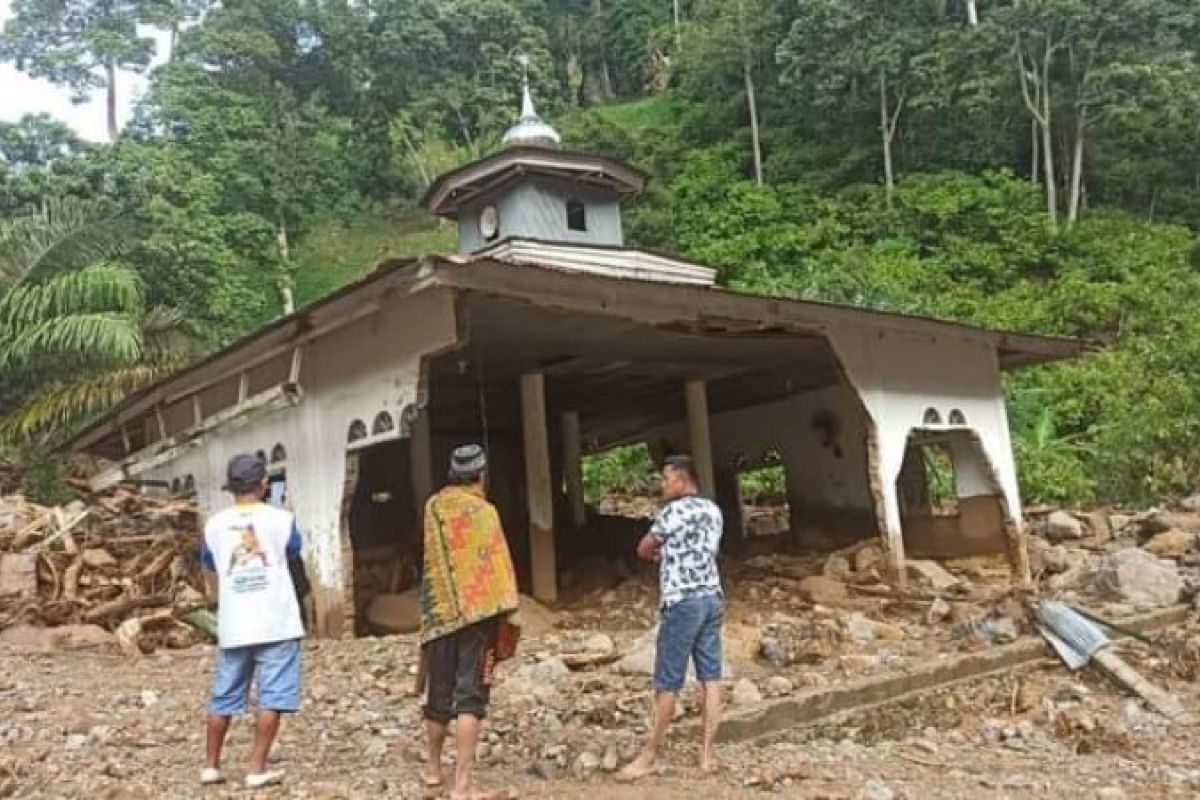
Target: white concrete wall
<point x="900" y="375"/>
<point x="354" y="373"/>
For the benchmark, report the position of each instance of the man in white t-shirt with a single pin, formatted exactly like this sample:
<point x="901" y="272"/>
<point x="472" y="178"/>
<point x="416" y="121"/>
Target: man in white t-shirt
<point x="258" y="618"/>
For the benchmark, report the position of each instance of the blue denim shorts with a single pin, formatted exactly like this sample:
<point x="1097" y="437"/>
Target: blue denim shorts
<point x="689" y="630"/>
<point x="277" y="665"/>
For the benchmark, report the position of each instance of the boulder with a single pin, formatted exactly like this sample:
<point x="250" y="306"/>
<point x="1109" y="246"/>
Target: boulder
<point x="779" y="686"/>
<point x="931" y="574"/>
<point x="837" y="566"/>
<point x="1171" y="544"/>
<point x="823" y="590"/>
<point x="746" y="694"/>
<point x="65" y="637"/>
<point x="869" y="559"/>
<point x="1163" y="521"/>
<point x="1140" y="578"/>
<point x="1191" y="503"/>
<point x="546" y="672"/>
<point x="1060" y="526"/>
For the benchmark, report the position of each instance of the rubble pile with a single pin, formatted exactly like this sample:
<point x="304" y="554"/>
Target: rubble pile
<point x="121" y="568"/>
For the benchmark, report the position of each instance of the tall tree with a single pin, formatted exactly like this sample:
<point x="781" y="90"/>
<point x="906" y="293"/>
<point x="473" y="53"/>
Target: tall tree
<point x="81" y="44"/>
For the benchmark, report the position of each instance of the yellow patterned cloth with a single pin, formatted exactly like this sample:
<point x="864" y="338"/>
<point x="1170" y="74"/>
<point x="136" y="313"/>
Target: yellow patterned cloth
<point x="469" y="574"/>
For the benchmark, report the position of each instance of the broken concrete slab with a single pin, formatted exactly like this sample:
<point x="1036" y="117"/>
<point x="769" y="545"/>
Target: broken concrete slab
<point x="932" y="574"/>
<point x="808" y="707"/>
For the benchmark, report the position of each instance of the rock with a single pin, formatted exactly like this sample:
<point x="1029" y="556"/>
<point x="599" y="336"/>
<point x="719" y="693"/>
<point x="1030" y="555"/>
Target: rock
<point x="546" y="672"/>
<point x="1058" y="559"/>
<point x="1060" y="526"/>
<point x="876" y="789"/>
<point x="98" y="558"/>
<point x="939" y="609"/>
<point x="534" y="618"/>
<point x="1191" y="503"/>
<point x="869" y="559"/>
<point x="837" y="566"/>
<point x="1139" y="578"/>
<point x="823" y="590"/>
<point x="1029" y="696"/>
<point x="773" y="652"/>
<point x="1111" y="793"/>
<point x="149" y="698"/>
<point x="1171" y="544"/>
<point x="18" y="574"/>
<point x="1133" y="717"/>
<point x="396" y="613"/>
<point x="639" y="660"/>
<point x="585" y="766"/>
<point x="64" y="637"/>
<point x="1163" y="521"/>
<point x="746" y="694"/>
<point x="778" y="686"/>
<point x="931" y="574"/>
<point x="865" y="631"/>
<point x="611" y="759"/>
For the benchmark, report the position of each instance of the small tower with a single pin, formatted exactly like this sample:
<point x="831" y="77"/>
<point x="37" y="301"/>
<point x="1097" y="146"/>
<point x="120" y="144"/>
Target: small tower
<point x="532" y="190"/>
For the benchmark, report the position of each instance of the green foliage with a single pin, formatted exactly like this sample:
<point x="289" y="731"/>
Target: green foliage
<point x="625" y="470"/>
<point x="42" y="477"/>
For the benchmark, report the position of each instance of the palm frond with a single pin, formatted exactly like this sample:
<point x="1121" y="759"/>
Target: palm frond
<point x="67" y="404"/>
<point x="101" y="287"/>
<point x="105" y="336"/>
<point x="67" y="233"/>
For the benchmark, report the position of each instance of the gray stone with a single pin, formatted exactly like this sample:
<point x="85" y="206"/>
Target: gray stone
<point x="876" y="789"/>
<point x="1191" y="503"/>
<point x="611" y="759"/>
<point x="1060" y="525"/>
<point x="745" y="694"/>
<point x="778" y="686"/>
<point x="939" y="609"/>
<point x="1111" y="793"/>
<point x="547" y="671"/>
<point x="585" y="766"/>
<point x="1139" y="578"/>
<point x="931" y="574"/>
<point x="639" y="660"/>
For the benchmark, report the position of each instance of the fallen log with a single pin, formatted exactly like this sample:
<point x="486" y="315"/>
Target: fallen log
<point x="105" y="612"/>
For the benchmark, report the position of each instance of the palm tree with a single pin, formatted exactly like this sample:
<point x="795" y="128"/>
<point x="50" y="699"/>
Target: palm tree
<point x="75" y="332"/>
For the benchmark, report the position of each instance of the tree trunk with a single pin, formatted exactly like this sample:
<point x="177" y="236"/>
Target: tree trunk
<point x="171" y="42"/>
<point x="885" y="131"/>
<point x="1048" y="142"/>
<point x="1077" y="167"/>
<point x="972" y="13"/>
<point x="110" y="72"/>
<point x="678" y="32"/>
<point x="755" y="134"/>
<point x="1035" y="151"/>
<point x="285" y="283"/>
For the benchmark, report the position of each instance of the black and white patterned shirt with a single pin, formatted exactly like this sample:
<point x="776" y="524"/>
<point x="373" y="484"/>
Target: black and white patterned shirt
<point x="690" y="530"/>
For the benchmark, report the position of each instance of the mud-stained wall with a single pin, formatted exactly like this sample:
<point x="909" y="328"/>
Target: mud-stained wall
<point x="900" y="378"/>
<point x="371" y="365"/>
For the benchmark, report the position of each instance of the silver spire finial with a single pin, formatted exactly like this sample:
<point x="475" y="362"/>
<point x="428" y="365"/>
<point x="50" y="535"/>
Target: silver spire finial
<point x="530" y="129"/>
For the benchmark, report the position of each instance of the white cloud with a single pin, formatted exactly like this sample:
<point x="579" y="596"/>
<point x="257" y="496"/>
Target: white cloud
<point x="21" y="95"/>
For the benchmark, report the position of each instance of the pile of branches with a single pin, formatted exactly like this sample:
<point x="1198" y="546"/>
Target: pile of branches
<point x="125" y="561"/>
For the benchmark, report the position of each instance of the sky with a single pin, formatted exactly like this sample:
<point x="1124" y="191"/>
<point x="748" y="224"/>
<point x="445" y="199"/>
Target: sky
<point x="20" y="95"/>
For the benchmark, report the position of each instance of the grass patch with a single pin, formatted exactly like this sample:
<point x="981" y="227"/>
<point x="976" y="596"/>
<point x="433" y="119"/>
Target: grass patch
<point x="649" y="112"/>
<point x="337" y="252"/>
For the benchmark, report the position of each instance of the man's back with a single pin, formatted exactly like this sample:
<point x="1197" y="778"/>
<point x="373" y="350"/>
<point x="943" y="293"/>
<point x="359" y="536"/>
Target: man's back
<point x="690" y="530"/>
<point x="248" y="546"/>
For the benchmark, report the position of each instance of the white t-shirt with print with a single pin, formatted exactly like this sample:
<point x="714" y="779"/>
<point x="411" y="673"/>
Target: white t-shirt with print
<point x="689" y="529"/>
<point x="256" y="600"/>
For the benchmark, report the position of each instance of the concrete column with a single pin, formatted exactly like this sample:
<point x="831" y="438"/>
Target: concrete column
<point x="420" y="453"/>
<point x="699" y="435"/>
<point x="539" y="487"/>
<point x="573" y="468"/>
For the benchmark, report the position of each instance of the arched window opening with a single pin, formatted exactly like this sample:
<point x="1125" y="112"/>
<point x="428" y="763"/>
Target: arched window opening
<point x="576" y="215"/>
<point x="957" y="417"/>
<point x="189" y="485"/>
<point x="176" y="486"/>
<point x="383" y="423"/>
<point x="932" y="417"/>
<point x="358" y="430"/>
<point x="278" y="454"/>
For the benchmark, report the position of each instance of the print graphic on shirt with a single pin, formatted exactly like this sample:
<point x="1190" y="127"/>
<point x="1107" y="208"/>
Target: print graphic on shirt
<point x="248" y="563"/>
<point x="690" y="531"/>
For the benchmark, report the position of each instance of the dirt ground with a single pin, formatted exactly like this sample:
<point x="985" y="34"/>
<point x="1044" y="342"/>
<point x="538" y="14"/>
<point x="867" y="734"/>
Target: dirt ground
<point x="100" y="726"/>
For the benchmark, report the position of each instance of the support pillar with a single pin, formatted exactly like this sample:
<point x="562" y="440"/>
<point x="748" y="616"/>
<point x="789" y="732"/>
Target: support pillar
<point x="420" y="453"/>
<point x="539" y="487"/>
<point x="699" y="435"/>
<point x="573" y="468"/>
<point x="887" y="508"/>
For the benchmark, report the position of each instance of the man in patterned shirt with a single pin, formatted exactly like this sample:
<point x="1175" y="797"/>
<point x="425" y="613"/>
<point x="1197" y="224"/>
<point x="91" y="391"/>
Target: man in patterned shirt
<point x="685" y="540"/>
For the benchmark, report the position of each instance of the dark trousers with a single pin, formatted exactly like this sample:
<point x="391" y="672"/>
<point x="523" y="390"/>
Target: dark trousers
<point x="460" y="666"/>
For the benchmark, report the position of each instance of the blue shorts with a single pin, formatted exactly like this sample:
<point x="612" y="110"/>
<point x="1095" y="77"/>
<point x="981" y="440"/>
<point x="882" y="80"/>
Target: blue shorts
<point x="689" y="629"/>
<point x="278" y="667"/>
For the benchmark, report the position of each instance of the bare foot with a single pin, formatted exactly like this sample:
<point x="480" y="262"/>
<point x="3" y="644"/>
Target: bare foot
<point x="433" y="776"/>
<point x="645" y="764"/>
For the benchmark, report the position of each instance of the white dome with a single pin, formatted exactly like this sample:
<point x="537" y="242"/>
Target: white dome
<point x="531" y="129"/>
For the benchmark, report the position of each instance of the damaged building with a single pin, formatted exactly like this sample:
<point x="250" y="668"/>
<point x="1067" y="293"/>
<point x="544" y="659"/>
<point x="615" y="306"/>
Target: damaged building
<point x="548" y="339"/>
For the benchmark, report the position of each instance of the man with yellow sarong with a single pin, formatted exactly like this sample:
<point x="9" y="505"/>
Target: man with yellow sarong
<point x="468" y="594"/>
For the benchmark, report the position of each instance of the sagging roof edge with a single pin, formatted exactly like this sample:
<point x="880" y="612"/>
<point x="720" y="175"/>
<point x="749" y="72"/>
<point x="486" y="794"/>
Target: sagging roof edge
<point x="1015" y="349"/>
